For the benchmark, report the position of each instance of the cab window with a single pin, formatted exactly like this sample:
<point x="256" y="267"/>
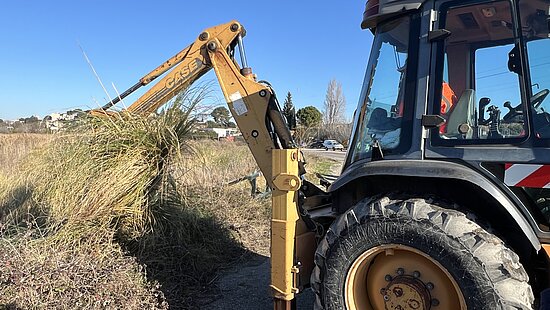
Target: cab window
<point x="480" y="95"/>
<point x="534" y="18"/>
<point x="381" y="112"/>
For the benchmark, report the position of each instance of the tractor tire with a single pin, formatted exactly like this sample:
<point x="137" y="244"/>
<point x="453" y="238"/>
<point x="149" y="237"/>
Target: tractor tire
<point x="414" y="253"/>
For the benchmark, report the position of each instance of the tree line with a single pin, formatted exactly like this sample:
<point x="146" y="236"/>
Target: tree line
<point x="314" y="125"/>
<point x="308" y="123"/>
<point x="30" y="124"/>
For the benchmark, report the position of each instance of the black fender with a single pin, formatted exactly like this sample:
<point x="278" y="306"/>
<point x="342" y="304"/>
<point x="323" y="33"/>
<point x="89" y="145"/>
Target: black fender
<point x="443" y="170"/>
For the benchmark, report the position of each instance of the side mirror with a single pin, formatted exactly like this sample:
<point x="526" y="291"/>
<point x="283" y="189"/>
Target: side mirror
<point x="438" y="35"/>
<point x="514" y="61"/>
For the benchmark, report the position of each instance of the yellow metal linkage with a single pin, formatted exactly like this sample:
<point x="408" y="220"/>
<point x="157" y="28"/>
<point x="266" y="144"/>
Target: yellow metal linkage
<point x="283" y="226"/>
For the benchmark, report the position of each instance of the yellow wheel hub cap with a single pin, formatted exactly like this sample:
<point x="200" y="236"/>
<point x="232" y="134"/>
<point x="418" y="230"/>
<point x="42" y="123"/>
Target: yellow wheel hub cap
<point x="399" y="277"/>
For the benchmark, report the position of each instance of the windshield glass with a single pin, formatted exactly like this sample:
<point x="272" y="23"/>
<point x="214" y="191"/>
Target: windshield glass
<point x="535" y="31"/>
<point x="534" y="18"/>
<point x="381" y="109"/>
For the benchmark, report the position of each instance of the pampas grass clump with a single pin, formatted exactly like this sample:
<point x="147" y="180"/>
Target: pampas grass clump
<point x="99" y="191"/>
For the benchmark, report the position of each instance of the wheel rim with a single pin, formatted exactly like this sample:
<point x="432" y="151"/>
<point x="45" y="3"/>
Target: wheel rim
<point x="400" y="277"/>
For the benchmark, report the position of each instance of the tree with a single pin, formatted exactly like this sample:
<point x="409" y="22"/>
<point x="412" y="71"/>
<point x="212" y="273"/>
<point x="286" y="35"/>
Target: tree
<point x="289" y="112"/>
<point x="309" y="119"/>
<point x="335" y="105"/>
<point x="309" y="116"/>
<point x="211" y="124"/>
<point x="221" y="116"/>
<point x="32" y="119"/>
<point x="29" y="120"/>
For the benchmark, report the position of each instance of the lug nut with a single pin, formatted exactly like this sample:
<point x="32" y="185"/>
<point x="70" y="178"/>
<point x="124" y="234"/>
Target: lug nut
<point x="400" y="271"/>
<point x="430" y="286"/>
<point x="386" y="297"/>
<point x="435" y="302"/>
<point x="388" y="278"/>
<point x="416" y="274"/>
<point x="383" y="291"/>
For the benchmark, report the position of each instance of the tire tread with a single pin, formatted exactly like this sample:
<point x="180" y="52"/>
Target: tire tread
<point x="508" y="277"/>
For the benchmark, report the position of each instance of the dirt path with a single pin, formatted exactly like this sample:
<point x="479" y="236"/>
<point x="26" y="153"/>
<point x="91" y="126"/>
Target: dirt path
<point x="246" y="287"/>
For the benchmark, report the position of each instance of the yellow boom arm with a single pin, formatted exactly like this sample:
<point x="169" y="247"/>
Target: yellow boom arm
<point x="251" y="103"/>
<point x="256" y="112"/>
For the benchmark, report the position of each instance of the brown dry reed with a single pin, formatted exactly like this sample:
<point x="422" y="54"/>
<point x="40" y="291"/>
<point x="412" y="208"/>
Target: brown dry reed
<point x="110" y="172"/>
<point x="124" y="212"/>
<point x="96" y="218"/>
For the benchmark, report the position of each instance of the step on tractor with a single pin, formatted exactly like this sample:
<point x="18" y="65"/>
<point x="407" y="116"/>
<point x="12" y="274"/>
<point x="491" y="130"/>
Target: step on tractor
<point x="443" y="201"/>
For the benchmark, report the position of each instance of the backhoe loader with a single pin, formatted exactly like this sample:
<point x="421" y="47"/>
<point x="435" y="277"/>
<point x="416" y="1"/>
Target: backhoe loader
<point x="444" y="197"/>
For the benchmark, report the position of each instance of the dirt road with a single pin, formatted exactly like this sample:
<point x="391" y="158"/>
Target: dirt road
<point x="339" y="156"/>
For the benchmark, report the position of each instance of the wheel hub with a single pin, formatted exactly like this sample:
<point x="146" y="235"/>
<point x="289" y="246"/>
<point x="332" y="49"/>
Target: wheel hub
<point x="406" y="292"/>
<point x="398" y="277"/>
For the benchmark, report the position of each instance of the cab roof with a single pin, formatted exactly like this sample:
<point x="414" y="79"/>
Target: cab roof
<point x="379" y="10"/>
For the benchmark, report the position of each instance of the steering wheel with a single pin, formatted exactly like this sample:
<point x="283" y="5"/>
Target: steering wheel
<point x="515" y="114"/>
<point x="539" y="97"/>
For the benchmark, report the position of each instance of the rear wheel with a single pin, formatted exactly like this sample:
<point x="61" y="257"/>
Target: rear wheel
<point x="414" y="254"/>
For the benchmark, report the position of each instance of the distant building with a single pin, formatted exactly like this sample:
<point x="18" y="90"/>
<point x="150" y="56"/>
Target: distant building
<point x="56" y="121"/>
<point x="225" y="132"/>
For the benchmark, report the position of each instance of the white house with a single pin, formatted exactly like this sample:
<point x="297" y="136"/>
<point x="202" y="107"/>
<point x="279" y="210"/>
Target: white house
<point x="55" y="121"/>
<point x="224" y="132"/>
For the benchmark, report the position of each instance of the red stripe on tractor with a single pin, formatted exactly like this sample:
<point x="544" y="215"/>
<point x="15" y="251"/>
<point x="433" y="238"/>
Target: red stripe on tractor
<point x="537" y="179"/>
<point x="506" y="166"/>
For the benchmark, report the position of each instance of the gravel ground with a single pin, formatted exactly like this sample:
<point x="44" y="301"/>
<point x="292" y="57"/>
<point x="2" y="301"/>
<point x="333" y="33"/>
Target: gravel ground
<point x="246" y="287"/>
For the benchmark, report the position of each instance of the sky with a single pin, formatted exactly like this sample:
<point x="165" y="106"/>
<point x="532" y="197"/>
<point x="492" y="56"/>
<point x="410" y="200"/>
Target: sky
<point x="298" y="46"/>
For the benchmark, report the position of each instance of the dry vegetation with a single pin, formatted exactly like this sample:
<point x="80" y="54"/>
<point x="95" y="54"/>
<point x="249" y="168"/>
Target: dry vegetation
<point x="123" y="213"/>
<point x="13" y="148"/>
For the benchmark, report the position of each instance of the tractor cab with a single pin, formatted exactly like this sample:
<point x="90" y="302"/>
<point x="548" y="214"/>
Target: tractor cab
<point x="485" y="64"/>
<point x="452" y="128"/>
<point x="458" y="80"/>
<point x="494" y="61"/>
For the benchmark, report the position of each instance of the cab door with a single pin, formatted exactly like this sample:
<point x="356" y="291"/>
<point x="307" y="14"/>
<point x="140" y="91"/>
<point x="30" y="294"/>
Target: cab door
<point x="489" y="81"/>
<point x="476" y="87"/>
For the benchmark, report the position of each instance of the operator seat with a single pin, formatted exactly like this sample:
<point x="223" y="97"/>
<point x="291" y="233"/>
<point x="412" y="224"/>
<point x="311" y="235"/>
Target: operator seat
<point x="463" y="112"/>
<point x="386" y="130"/>
<point x="379" y="122"/>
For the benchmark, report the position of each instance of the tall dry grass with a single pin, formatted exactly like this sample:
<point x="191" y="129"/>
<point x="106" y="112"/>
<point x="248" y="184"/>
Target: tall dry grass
<point x="14" y="147"/>
<point x="78" y="202"/>
<point x="104" y="216"/>
<point x="124" y="213"/>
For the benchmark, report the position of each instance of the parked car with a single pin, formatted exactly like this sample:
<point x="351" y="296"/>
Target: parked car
<point x="316" y="145"/>
<point x="333" y="145"/>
